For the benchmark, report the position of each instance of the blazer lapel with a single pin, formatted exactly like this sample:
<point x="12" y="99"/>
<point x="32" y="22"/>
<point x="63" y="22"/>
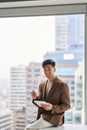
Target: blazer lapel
<point x="44" y="91"/>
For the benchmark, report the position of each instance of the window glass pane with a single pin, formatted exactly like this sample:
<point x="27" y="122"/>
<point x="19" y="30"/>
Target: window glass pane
<point x="25" y="42"/>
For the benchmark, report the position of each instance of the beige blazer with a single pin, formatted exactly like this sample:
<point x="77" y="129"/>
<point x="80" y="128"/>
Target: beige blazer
<point x="58" y="97"/>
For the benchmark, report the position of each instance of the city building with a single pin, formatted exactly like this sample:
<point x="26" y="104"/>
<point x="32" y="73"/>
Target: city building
<point x="69" y="32"/>
<point x="79" y="85"/>
<point x="17" y="90"/>
<point x="20" y="119"/>
<point x="18" y="87"/>
<point x="5" y="119"/>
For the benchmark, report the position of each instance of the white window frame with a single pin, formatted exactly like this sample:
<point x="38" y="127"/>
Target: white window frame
<point x="50" y="7"/>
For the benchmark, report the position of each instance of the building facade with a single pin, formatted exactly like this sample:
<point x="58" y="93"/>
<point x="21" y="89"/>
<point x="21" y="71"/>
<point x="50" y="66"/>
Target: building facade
<point x="69" y="32"/>
<point x="17" y="91"/>
<point x="20" y="119"/>
<point x="18" y="87"/>
<point x="5" y="119"/>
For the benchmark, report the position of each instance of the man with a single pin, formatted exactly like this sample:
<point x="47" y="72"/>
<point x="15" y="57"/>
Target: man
<point x="56" y="93"/>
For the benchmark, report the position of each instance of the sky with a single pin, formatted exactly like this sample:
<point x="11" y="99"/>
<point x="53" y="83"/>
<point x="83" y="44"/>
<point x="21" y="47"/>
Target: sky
<point x="23" y="40"/>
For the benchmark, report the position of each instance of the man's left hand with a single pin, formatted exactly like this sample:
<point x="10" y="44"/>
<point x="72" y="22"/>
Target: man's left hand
<point x="47" y="106"/>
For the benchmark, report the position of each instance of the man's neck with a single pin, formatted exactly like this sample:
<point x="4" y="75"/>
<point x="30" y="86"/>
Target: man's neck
<point x="52" y="78"/>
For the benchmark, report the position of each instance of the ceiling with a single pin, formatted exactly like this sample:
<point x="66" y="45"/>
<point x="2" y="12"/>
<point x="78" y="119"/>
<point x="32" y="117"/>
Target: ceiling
<point x="24" y="3"/>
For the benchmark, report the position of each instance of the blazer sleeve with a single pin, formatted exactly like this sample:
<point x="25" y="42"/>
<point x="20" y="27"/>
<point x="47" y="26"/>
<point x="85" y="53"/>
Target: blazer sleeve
<point x="64" y="100"/>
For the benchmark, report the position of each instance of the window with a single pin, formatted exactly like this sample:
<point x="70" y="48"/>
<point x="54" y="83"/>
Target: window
<point x="54" y="10"/>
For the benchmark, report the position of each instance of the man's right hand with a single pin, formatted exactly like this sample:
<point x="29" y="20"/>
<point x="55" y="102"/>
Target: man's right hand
<point x="33" y="94"/>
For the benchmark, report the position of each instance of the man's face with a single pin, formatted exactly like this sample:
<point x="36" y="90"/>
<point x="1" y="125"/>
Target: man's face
<point x="49" y="71"/>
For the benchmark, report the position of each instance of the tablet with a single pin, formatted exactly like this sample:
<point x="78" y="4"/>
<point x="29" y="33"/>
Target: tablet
<point x="38" y="103"/>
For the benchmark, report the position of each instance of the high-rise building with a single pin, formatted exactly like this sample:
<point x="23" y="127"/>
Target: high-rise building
<point x="17" y="91"/>
<point x="20" y="119"/>
<point x="5" y="119"/>
<point x="75" y="114"/>
<point x="66" y="57"/>
<point x="79" y="87"/>
<point x="18" y="87"/>
<point x="69" y="32"/>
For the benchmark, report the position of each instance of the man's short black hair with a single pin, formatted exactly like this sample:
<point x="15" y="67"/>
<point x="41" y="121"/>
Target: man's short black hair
<point x="48" y="61"/>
